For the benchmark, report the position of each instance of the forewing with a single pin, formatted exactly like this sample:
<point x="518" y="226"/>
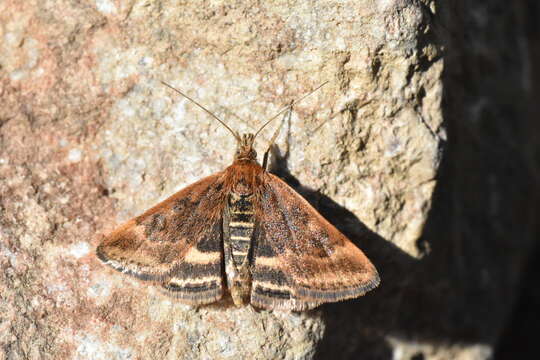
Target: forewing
<point x="177" y="243"/>
<point x="300" y="259"/>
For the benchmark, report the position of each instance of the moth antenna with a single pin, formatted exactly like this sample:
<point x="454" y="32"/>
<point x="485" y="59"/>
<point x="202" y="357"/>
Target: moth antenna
<point x="289" y="106"/>
<point x="205" y="109"/>
<point x="265" y="157"/>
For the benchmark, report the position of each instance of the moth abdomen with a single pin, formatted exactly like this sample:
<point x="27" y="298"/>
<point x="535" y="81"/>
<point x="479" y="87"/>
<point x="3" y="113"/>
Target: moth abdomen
<point x="241" y="226"/>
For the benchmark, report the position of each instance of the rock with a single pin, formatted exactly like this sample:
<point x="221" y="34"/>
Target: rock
<point x="89" y="137"/>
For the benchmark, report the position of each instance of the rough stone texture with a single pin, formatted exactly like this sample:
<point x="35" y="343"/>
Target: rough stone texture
<point x="454" y="303"/>
<point x="89" y="138"/>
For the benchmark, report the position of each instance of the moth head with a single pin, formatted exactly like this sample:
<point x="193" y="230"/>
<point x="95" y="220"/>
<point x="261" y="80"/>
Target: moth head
<point x="244" y="148"/>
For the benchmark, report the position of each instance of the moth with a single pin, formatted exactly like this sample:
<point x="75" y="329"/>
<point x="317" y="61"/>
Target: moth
<point x="241" y="232"/>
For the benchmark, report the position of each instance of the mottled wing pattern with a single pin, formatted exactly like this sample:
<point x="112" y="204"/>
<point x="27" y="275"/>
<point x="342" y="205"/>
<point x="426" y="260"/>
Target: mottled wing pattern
<point x="300" y="260"/>
<point x="176" y="243"/>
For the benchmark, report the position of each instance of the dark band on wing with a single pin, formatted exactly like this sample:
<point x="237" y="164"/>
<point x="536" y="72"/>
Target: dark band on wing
<point x="187" y="270"/>
<point x="197" y="293"/>
<point x="212" y="241"/>
<point x="265" y="274"/>
<point x="272" y="293"/>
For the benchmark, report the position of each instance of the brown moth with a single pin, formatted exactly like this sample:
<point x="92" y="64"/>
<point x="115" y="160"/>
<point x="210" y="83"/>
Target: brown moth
<point x="245" y="232"/>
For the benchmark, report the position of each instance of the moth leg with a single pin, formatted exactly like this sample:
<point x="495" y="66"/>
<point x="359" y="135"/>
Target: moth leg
<point x="265" y="157"/>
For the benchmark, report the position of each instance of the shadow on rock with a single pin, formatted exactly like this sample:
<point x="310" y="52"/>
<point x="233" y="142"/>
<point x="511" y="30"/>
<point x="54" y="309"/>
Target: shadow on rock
<point x="417" y="298"/>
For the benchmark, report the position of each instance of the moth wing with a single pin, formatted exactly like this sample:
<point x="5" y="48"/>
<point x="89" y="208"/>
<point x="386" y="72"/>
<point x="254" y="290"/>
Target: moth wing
<point x="177" y="243"/>
<point x="300" y="260"/>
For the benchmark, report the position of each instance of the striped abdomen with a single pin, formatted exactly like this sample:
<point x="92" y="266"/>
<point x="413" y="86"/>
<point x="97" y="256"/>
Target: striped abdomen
<point x="241" y="226"/>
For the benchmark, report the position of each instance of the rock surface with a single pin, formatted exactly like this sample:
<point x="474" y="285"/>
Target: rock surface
<point x="89" y="138"/>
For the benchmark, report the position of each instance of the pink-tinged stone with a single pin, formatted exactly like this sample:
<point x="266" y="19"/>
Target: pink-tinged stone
<point x="89" y="138"/>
